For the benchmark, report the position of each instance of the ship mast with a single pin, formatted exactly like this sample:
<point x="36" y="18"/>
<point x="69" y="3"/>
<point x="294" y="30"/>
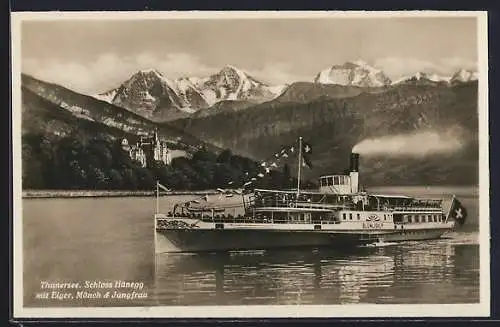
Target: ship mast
<point x="157" y="197"/>
<point x="300" y="165"/>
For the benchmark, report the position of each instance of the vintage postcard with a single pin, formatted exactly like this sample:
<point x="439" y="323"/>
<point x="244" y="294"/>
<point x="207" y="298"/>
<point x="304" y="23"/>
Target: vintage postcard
<point x="250" y="164"/>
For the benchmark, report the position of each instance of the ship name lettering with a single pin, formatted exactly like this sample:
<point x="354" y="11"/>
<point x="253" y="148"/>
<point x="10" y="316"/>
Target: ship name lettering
<point x="372" y="225"/>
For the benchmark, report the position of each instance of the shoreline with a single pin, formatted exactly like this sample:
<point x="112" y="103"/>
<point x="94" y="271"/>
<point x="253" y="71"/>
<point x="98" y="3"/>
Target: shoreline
<point x="42" y="194"/>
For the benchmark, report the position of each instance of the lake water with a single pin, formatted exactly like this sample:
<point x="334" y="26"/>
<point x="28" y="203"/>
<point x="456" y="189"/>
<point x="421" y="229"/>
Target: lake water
<point x="109" y="239"/>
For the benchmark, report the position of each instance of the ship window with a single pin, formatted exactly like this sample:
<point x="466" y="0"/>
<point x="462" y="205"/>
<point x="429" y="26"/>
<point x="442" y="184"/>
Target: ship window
<point x="358" y="216"/>
<point x="410" y="219"/>
<point x="417" y="218"/>
<point x="344" y="216"/>
<point x="350" y="216"/>
<point x="384" y="217"/>
<point x="435" y="218"/>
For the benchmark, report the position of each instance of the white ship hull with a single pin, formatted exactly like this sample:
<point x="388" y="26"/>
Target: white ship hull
<point x="196" y="236"/>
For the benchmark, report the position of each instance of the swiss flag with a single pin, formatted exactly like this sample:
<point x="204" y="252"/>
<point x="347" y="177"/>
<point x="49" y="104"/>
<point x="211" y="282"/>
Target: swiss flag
<point x="306" y="152"/>
<point x="458" y="212"/>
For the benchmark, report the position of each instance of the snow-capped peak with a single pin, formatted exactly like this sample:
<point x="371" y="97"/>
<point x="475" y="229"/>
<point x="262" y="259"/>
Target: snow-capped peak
<point x="362" y="63"/>
<point x="149" y="71"/>
<point x="464" y="75"/>
<point x="148" y="90"/>
<point x="354" y="73"/>
<point x="421" y="76"/>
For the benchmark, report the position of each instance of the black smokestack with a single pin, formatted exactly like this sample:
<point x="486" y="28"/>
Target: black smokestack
<point x="354" y="162"/>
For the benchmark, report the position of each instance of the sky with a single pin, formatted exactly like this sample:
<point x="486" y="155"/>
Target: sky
<point x="93" y="56"/>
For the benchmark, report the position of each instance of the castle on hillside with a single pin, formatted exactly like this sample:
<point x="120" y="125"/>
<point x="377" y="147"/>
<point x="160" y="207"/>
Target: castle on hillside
<point x="149" y="149"/>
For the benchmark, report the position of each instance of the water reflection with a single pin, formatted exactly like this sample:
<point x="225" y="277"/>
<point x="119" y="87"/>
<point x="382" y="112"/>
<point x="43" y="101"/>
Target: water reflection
<point x="307" y="276"/>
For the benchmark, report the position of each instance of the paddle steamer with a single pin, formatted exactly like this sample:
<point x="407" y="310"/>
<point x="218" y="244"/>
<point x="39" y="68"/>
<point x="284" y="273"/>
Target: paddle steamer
<point x="338" y="214"/>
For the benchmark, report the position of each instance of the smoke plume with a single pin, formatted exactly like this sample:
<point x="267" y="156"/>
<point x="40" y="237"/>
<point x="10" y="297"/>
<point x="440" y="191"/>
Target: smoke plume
<point x="418" y="144"/>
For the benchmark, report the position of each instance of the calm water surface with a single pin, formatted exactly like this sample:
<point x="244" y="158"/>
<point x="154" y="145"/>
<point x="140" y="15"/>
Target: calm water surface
<point x="109" y="239"/>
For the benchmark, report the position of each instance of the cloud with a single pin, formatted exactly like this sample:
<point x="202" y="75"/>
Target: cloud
<point x="109" y="70"/>
<point x="396" y="67"/>
<point x="277" y="73"/>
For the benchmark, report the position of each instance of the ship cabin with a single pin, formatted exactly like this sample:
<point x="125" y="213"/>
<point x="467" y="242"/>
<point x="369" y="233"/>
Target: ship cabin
<point x="344" y="183"/>
<point x="337" y="184"/>
<point x="317" y="207"/>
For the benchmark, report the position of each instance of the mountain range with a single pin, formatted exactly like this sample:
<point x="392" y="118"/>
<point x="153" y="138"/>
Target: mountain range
<point x="152" y="95"/>
<point x="335" y="125"/>
<point x="243" y="115"/>
<point x="54" y="110"/>
<point x="157" y="97"/>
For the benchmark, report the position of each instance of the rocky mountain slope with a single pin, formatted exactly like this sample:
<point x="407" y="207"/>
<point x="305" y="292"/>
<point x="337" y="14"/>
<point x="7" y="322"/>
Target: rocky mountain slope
<point x="463" y="76"/>
<point x="151" y="94"/>
<point x="52" y="109"/>
<point x="335" y="125"/>
<point x="354" y="73"/>
<point x="421" y="78"/>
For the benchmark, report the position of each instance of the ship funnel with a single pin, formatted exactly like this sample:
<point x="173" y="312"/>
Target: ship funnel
<point x="354" y="172"/>
<point x="354" y="162"/>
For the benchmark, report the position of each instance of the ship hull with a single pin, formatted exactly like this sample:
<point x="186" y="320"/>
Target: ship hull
<point x="414" y="235"/>
<point x="205" y="240"/>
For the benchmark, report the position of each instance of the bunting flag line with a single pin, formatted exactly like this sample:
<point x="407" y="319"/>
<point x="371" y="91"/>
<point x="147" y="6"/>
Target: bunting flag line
<point x="274" y="162"/>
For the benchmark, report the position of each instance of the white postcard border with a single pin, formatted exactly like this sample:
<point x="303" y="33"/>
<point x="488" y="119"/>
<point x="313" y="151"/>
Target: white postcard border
<point x="481" y="309"/>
